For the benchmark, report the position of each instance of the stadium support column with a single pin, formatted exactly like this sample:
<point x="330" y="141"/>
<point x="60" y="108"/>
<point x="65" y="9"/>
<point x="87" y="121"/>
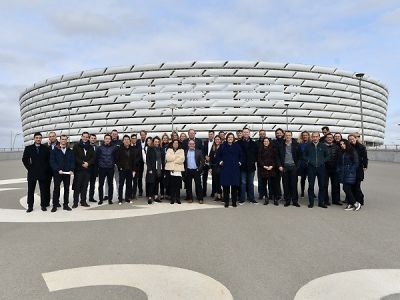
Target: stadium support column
<point x="360" y="76"/>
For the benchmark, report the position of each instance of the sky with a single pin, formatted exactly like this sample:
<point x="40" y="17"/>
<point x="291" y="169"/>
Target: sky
<point x="42" y="39"/>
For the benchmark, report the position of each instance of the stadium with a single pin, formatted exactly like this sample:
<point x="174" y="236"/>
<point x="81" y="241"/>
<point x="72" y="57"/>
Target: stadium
<point x="204" y="95"/>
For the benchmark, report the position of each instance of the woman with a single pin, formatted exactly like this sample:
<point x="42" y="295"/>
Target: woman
<point x="182" y="137"/>
<point x="148" y="144"/>
<point x="174" y="165"/>
<point x="155" y="162"/>
<point x="362" y="166"/>
<point x="164" y="183"/>
<point x="215" y="168"/>
<point x="347" y="173"/>
<point x="302" y="171"/>
<point x="174" y="136"/>
<point x="337" y="138"/>
<point x="268" y="160"/>
<point x="229" y="158"/>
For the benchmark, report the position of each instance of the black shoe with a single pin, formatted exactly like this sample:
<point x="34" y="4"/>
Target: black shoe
<point x="100" y="202"/>
<point x="149" y="201"/>
<point x="140" y="194"/>
<point x="328" y="203"/>
<point x="44" y="208"/>
<point x="30" y="209"/>
<point x="337" y="203"/>
<point x="66" y="207"/>
<point x="178" y="201"/>
<point x="110" y="202"/>
<point x="276" y="202"/>
<point x="266" y="202"/>
<point x="92" y="200"/>
<point x="226" y="205"/>
<point x="75" y="205"/>
<point x="157" y="200"/>
<point x="84" y="204"/>
<point x="234" y="205"/>
<point x="58" y="205"/>
<point x="54" y="209"/>
<point x="105" y="198"/>
<point x="322" y="206"/>
<point x="172" y="202"/>
<point x="296" y="204"/>
<point x="286" y="204"/>
<point x="254" y="202"/>
<point x="310" y="205"/>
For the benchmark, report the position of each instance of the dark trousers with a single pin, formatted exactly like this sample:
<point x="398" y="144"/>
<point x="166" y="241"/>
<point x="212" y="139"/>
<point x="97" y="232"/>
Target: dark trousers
<point x="357" y="192"/>
<point x="134" y="185"/>
<point x="65" y="179"/>
<point x="269" y="187"/>
<point x="195" y="175"/>
<point x="175" y="184"/>
<point x="125" y="177"/>
<point x="81" y="182"/>
<point x="92" y="184"/>
<point x="289" y="178"/>
<point x="331" y="176"/>
<point x="152" y="188"/>
<point x="204" y="180"/>
<point x="163" y="185"/>
<point x="166" y="183"/>
<point x="319" y="173"/>
<point x="47" y="189"/>
<point x="103" y="174"/>
<point x="31" y="192"/>
<point x="230" y="190"/>
<point x="140" y="178"/>
<point x="216" y="180"/>
<point x="278" y="184"/>
<point x="348" y="190"/>
<point x="303" y="178"/>
<point x="262" y="185"/>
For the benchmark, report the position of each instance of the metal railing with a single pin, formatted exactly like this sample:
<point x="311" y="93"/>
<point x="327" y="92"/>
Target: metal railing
<point x="385" y="147"/>
<point x="11" y="149"/>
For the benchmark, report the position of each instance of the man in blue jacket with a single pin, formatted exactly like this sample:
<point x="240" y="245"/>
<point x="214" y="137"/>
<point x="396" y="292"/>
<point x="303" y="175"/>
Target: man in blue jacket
<point x="62" y="162"/>
<point x="316" y="154"/>
<point x="105" y="161"/>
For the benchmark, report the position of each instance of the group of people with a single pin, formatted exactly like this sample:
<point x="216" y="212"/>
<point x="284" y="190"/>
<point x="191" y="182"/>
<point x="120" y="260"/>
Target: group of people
<point x="161" y="166"/>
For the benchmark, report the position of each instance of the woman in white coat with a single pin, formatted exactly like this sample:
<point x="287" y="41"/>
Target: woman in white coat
<point x="174" y="165"/>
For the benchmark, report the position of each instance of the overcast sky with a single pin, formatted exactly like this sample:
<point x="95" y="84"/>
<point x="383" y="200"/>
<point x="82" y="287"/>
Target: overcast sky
<point x="41" y="39"/>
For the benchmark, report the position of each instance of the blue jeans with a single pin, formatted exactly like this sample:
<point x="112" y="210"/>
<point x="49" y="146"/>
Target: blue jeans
<point x="319" y="173"/>
<point x="247" y="180"/>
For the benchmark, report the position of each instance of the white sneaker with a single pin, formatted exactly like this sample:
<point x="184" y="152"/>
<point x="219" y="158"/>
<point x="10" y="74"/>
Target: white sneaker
<point x="119" y="203"/>
<point x="357" y="206"/>
<point x="349" y="207"/>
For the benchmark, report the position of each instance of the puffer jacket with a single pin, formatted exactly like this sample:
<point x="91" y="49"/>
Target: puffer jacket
<point x="174" y="160"/>
<point x="106" y="156"/>
<point x="333" y="154"/>
<point x="347" y="168"/>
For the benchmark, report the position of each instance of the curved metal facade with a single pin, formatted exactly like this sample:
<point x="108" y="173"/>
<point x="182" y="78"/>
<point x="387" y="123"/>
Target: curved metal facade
<point x="219" y="95"/>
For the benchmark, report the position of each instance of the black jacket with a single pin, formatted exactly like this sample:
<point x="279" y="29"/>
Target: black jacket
<point x="127" y="158"/>
<point x="296" y="152"/>
<point x="333" y="155"/>
<point x="249" y="151"/>
<point x="316" y="155"/>
<point x="81" y="157"/>
<point x="60" y="161"/>
<point x="363" y="160"/>
<point x="198" y="144"/>
<point x="37" y="164"/>
<point x="198" y="156"/>
<point x="151" y="158"/>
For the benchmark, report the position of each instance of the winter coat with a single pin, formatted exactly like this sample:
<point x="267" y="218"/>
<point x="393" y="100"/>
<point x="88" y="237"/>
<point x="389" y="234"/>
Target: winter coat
<point x="81" y="156"/>
<point x="347" y="168"/>
<point x="106" y="156"/>
<point x="249" y="155"/>
<point x="363" y="160"/>
<point x="232" y="158"/>
<point x="316" y="156"/>
<point x="268" y="156"/>
<point x="60" y="161"/>
<point x="37" y="164"/>
<point x="174" y="160"/>
<point x="127" y="158"/>
<point x="333" y="155"/>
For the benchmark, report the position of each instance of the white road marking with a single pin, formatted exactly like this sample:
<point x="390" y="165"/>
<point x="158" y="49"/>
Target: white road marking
<point x="13" y="181"/>
<point x="9" y="189"/>
<point x="358" y="284"/>
<point x="158" y="282"/>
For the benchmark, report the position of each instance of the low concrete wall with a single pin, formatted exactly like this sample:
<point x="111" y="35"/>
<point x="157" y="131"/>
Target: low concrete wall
<point x="11" y="155"/>
<point x="384" y="155"/>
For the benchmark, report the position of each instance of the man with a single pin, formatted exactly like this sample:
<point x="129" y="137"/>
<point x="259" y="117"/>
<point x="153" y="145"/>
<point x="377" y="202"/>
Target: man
<point x="330" y="168"/>
<point x="248" y="167"/>
<point x="289" y="157"/>
<point x="51" y="143"/>
<point x="278" y="143"/>
<point x="62" y="162"/>
<point x="36" y="161"/>
<point x="222" y="136"/>
<point x="325" y="131"/>
<point x="115" y="141"/>
<point x="239" y="135"/>
<point x="141" y="144"/>
<point x="127" y="162"/>
<point x="106" y="159"/>
<point x="262" y="187"/>
<point x="194" y="162"/>
<point x="139" y="160"/>
<point x="316" y="155"/>
<point x="94" y="170"/>
<point x="84" y="160"/>
<point x="192" y="137"/>
<point x="207" y="145"/>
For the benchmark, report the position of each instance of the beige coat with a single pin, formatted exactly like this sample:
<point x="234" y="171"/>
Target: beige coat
<point x="174" y="161"/>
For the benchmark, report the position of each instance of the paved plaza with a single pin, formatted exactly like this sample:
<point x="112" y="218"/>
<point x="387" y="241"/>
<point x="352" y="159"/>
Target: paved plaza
<point x="195" y="251"/>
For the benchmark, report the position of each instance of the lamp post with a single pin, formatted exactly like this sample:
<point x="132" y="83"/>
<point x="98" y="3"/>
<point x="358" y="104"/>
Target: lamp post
<point x="287" y="118"/>
<point x="172" y="106"/>
<point x="360" y="76"/>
